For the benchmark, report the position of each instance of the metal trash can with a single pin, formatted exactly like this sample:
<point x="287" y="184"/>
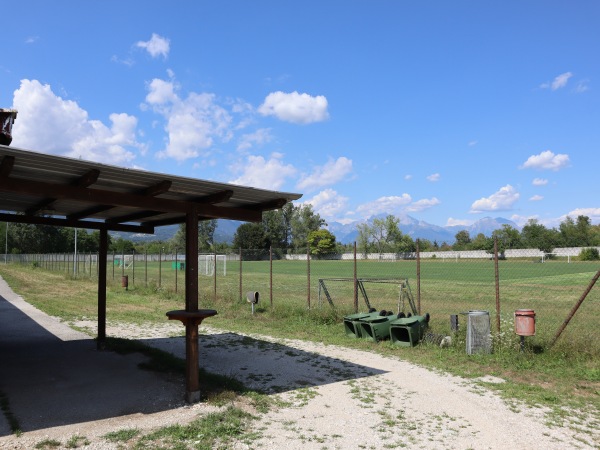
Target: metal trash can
<point x="525" y="322"/>
<point x="478" y="332"/>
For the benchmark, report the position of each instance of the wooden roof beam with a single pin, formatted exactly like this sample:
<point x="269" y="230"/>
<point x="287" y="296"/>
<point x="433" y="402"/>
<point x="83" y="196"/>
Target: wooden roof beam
<point x="87" y="179"/>
<point x="152" y="191"/>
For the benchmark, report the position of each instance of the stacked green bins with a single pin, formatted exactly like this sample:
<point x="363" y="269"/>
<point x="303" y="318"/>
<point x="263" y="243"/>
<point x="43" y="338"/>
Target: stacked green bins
<point x="352" y="323"/>
<point x="408" y="331"/>
<point x="377" y="328"/>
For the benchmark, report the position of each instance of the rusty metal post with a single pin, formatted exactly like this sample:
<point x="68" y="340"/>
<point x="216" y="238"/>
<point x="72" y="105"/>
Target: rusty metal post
<point x="308" y="276"/>
<point x="113" y="265"/>
<point x="355" y="282"/>
<point x="241" y="296"/>
<point x="133" y="267"/>
<point x="159" y="266"/>
<point x="575" y="308"/>
<point x="271" y="274"/>
<point x="146" y="266"/>
<point x="418" y="278"/>
<point x="497" y="276"/>
<point x="176" y="268"/>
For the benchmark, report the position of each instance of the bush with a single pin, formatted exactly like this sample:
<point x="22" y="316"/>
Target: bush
<point x="589" y="254"/>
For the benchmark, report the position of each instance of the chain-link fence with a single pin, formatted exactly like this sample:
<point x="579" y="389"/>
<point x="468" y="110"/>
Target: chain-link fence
<point x="559" y="288"/>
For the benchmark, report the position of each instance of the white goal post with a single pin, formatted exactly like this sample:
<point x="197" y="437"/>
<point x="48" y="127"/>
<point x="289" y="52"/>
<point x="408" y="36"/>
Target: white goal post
<point x="554" y="256"/>
<point x="207" y="264"/>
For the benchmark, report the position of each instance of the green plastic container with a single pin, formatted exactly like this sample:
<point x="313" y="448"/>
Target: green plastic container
<point x="352" y="323"/>
<point x="376" y="328"/>
<point x="408" y="331"/>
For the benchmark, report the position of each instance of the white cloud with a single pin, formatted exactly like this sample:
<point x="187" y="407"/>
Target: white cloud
<point x="472" y="143"/>
<point x="50" y="124"/>
<point x="331" y="172"/>
<point x="546" y="161"/>
<point x="499" y="201"/>
<point x="592" y="213"/>
<point x="422" y="204"/>
<point x="559" y="82"/>
<point x="539" y="182"/>
<point x="31" y="39"/>
<point x="390" y="205"/>
<point x="258" y="172"/>
<point x="582" y="86"/>
<point x="453" y="222"/>
<point x="259" y="137"/>
<point x="295" y="107"/>
<point x="536" y="198"/>
<point x="192" y="123"/>
<point x="408" y="177"/>
<point x="328" y="204"/>
<point x="161" y="92"/>
<point x="156" y="46"/>
<point x="434" y="177"/>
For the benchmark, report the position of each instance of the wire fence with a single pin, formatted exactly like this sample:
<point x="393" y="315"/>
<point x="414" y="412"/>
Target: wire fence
<point x="559" y="289"/>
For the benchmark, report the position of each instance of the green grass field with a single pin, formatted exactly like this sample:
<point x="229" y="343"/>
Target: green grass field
<point x="447" y="287"/>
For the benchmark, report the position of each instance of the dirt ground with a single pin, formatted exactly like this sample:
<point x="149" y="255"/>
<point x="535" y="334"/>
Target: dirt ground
<point x="336" y="398"/>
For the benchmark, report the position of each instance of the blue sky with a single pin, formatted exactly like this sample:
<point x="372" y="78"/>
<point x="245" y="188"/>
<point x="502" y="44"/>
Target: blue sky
<point x="448" y="111"/>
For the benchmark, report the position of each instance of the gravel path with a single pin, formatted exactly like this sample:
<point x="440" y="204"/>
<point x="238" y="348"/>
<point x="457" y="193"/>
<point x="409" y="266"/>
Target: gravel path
<point x="336" y="399"/>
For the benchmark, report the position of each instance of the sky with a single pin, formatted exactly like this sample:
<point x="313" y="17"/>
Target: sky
<point x="446" y="111"/>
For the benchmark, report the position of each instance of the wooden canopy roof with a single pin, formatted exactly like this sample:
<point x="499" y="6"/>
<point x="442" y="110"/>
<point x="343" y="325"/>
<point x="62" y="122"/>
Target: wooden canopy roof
<point x="70" y="192"/>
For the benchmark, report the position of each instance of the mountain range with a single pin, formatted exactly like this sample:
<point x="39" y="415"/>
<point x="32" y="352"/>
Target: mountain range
<point x="348" y="233"/>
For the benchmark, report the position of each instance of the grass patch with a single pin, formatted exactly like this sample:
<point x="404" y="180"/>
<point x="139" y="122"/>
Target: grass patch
<point x="213" y="431"/>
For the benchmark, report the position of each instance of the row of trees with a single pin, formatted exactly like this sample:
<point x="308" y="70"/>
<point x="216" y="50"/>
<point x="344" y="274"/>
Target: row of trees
<point x="292" y="228"/>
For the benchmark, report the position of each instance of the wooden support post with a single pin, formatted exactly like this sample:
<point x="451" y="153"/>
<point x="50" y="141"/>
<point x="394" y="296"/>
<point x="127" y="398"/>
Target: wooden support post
<point x="102" y="261"/>
<point x="191" y="306"/>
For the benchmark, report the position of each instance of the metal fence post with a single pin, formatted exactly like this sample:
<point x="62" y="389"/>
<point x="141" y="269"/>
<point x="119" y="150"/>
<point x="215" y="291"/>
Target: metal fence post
<point x="308" y="276"/>
<point x="497" y="276"/>
<point x="271" y="274"/>
<point x="355" y="282"/>
<point x="418" y="278"/>
<point x="241" y="295"/>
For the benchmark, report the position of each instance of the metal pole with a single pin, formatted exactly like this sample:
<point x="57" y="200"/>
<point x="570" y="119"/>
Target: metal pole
<point x="497" y="284"/>
<point x="241" y="296"/>
<point x="575" y="308"/>
<point x="215" y="274"/>
<point x="75" y="255"/>
<point x="355" y="282"/>
<point x="176" y="268"/>
<point x="271" y="274"/>
<point x="308" y="276"/>
<point x="6" y="245"/>
<point x="418" y="278"/>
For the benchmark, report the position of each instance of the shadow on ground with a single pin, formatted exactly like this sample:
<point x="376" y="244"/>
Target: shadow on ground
<point x="49" y="382"/>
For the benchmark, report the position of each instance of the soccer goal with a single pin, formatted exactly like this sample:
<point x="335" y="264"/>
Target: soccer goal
<point x="383" y="293"/>
<point x="209" y="262"/>
<point x="548" y="257"/>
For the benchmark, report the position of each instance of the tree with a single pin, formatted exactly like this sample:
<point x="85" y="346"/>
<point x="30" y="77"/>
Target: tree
<point x="507" y="237"/>
<point x="275" y="228"/>
<point x="536" y="235"/>
<point x="321" y="242"/>
<point x="206" y="233"/>
<point x="303" y="221"/>
<point x="251" y="236"/>
<point x="481" y="242"/>
<point x="384" y="235"/>
<point x="462" y="240"/>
